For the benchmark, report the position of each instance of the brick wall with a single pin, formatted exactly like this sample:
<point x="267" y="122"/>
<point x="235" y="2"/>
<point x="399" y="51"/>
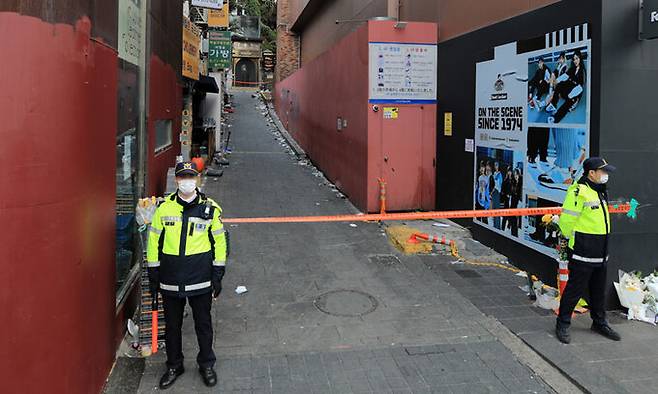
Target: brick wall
<point x="287" y="45"/>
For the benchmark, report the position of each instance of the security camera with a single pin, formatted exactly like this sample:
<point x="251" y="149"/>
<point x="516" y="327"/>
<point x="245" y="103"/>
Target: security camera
<point x="375" y="108"/>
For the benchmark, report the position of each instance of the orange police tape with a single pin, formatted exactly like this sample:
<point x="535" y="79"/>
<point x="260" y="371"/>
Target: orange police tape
<point x="465" y="214"/>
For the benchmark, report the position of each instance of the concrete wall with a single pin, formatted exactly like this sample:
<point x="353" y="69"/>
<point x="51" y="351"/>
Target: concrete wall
<point x="309" y="101"/>
<point x="59" y="111"/>
<point x="629" y="132"/>
<point x="623" y="77"/>
<point x="454" y="17"/>
<point x="62" y="86"/>
<point x="165" y="88"/>
<point x="334" y="85"/>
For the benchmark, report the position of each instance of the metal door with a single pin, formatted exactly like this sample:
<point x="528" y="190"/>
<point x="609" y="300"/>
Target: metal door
<point x="402" y="157"/>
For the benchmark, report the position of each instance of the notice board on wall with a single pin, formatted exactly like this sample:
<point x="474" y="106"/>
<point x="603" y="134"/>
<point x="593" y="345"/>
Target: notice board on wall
<point x="402" y="73"/>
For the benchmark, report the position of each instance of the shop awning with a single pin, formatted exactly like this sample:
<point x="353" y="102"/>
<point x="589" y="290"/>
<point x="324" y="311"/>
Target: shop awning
<point x="207" y="84"/>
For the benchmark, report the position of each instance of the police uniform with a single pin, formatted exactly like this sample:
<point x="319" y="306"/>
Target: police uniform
<point x="187" y="258"/>
<point x="585" y="222"/>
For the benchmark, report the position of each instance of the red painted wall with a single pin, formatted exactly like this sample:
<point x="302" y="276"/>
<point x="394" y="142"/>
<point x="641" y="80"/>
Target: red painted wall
<point x="165" y="102"/>
<point x="335" y="84"/>
<point x="59" y="118"/>
<point x="421" y="33"/>
<point x="309" y="102"/>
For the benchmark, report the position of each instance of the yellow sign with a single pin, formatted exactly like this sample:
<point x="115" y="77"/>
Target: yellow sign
<point x="447" y="124"/>
<point x="218" y="18"/>
<point x="391" y="112"/>
<point x="191" y="44"/>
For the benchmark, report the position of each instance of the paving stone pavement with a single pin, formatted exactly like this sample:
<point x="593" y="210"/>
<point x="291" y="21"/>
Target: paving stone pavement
<point x="423" y="337"/>
<point x="595" y="363"/>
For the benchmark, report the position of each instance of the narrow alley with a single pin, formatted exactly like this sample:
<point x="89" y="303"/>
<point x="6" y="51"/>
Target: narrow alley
<point x="390" y="326"/>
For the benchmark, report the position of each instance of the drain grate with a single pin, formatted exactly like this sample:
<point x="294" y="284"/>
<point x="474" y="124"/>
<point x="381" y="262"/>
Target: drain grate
<point x="346" y="303"/>
<point x="384" y="259"/>
<point x="468" y="274"/>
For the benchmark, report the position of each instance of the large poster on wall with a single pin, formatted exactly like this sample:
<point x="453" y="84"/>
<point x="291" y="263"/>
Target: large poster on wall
<point x="531" y="129"/>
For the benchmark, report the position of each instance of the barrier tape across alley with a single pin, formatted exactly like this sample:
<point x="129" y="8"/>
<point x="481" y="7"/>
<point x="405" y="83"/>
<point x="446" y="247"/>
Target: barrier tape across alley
<point x="463" y="214"/>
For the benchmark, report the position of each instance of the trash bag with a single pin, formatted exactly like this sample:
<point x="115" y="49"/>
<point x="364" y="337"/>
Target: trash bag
<point x="547" y="298"/>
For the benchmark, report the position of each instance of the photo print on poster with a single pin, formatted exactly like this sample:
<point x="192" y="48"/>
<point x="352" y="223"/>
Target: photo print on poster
<point x="499" y="185"/>
<point x="555" y="158"/>
<point x="532" y="104"/>
<point x="557" y="87"/>
<point x="533" y="231"/>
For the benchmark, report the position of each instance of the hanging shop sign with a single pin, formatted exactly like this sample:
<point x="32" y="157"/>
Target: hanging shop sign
<point x="191" y="44"/>
<point x="532" y="130"/>
<point x="130" y="30"/>
<point x="402" y="73"/>
<point x="219" y="18"/>
<point x="212" y="4"/>
<point x="649" y="19"/>
<point x="219" y="49"/>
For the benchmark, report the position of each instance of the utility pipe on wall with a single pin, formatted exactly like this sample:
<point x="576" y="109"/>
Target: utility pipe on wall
<point x="394" y="9"/>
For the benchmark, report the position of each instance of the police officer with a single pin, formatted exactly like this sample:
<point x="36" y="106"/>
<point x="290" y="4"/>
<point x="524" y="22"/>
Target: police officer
<point x="186" y="262"/>
<point x="585" y="223"/>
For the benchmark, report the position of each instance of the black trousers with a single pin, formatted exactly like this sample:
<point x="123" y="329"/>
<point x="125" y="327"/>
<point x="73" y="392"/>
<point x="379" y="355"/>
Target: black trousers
<point x="582" y="277"/>
<point x="173" y="313"/>
<point x="538" y="143"/>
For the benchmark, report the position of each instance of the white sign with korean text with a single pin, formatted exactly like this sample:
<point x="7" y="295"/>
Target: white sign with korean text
<point x="130" y="30"/>
<point x="213" y="4"/>
<point x="402" y="73"/>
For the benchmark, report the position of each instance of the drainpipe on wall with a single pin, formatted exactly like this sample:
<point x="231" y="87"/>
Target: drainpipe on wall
<point x="394" y="9"/>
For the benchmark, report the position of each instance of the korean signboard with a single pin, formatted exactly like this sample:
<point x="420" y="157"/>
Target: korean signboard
<point x="213" y="4"/>
<point x="130" y="30"/>
<point x="402" y="73"/>
<point x="218" y="18"/>
<point x="191" y="43"/>
<point x="219" y="49"/>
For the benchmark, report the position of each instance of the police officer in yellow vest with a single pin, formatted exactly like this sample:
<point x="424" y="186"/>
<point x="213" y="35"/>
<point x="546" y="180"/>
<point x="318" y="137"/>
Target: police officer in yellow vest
<point x="186" y="261"/>
<point x="585" y="222"/>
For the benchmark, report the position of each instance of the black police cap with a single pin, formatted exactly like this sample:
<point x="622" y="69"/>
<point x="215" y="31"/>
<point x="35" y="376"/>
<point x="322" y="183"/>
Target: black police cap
<point x="186" y="168"/>
<point x="598" y="163"/>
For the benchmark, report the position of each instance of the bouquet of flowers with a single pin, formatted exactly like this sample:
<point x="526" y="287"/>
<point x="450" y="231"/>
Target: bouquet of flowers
<point x="639" y="293"/>
<point x="550" y="222"/>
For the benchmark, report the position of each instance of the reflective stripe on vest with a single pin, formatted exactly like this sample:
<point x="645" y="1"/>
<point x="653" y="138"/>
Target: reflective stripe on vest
<point x="196" y="220"/>
<point x="171" y="219"/>
<point x="589" y="259"/>
<point x="570" y="212"/>
<point x="198" y="286"/>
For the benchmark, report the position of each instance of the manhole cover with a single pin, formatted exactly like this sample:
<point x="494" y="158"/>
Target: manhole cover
<point x="384" y="259"/>
<point x="468" y="274"/>
<point x="347" y="303"/>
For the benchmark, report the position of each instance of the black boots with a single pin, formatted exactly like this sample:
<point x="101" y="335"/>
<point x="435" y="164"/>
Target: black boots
<point x="209" y="376"/>
<point x="562" y="333"/>
<point x="606" y="331"/>
<point x="170" y="377"/>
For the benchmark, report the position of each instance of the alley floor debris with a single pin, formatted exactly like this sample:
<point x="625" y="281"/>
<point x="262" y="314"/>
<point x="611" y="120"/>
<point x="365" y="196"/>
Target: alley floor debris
<point x="419" y="335"/>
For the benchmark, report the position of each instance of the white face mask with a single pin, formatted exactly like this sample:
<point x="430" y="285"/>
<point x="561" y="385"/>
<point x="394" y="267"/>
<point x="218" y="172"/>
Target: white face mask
<point x="187" y="186"/>
<point x="603" y="179"/>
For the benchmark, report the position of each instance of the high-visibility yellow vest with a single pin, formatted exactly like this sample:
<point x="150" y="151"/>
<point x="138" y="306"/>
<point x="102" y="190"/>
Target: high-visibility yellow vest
<point x="186" y="241"/>
<point x="585" y="221"/>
